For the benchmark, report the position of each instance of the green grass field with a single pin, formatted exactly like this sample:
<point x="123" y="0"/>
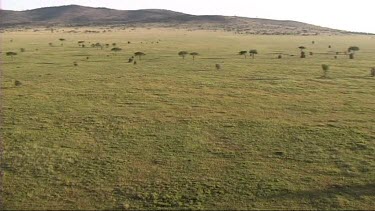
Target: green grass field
<point x="173" y="133"/>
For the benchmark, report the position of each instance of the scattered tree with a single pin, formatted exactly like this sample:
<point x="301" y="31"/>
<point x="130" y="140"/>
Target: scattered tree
<point x="139" y="54"/>
<point x="325" y="69"/>
<point x="243" y="53"/>
<point x="11" y="54"/>
<point x="303" y="54"/>
<point x="183" y="54"/>
<point x="253" y="52"/>
<point x="98" y="45"/>
<point x="62" y="41"/>
<point x="352" y="50"/>
<point x="116" y="50"/>
<point x="194" y="54"/>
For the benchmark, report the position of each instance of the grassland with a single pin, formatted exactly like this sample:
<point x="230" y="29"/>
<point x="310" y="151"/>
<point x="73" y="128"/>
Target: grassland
<point x="169" y="133"/>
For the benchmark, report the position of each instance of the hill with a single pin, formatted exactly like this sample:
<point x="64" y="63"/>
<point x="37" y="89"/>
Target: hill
<point x="74" y="15"/>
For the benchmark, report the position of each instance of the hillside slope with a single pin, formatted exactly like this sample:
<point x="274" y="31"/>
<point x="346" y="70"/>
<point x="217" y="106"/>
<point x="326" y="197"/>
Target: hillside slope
<point x="74" y="15"/>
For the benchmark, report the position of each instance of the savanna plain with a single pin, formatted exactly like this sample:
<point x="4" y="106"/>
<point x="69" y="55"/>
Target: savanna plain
<point x="84" y="129"/>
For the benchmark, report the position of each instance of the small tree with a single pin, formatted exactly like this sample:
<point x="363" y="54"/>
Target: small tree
<point x="11" y="54"/>
<point x="302" y="48"/>
<point x="303" y="54"/>
<point x="194" y="54"/>
<point x="253" y="52"/>
<point x="98" y="45"/>
<point x="183" y="54"/>
<point x="139" y="54"/>
<point x="62" y="41"/>
<point x="325" y="69"/>
<point x="116" y="50"/>
<point x="352" y="50"/>
<point x="243" y="53"/>
<point x="80" y="43"/>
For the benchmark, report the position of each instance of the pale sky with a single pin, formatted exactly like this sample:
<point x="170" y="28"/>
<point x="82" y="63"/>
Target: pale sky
<point x="352" y="15"/>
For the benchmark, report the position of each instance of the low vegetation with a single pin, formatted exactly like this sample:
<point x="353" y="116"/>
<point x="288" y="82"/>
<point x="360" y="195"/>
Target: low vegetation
<point x="173" y="134"/>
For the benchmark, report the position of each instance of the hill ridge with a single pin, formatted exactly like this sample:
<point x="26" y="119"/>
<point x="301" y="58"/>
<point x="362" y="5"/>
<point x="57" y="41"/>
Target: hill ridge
<point x="77" y="15"/>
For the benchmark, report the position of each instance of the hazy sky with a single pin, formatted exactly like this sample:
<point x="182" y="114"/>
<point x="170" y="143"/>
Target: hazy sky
<point x="353" y="15"/>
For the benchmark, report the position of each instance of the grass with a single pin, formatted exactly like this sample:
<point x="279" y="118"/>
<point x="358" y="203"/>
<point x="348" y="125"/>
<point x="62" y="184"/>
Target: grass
<point x="169" y="133"/>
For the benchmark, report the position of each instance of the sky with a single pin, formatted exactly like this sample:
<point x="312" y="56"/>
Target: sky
<point x="351" y="15"/>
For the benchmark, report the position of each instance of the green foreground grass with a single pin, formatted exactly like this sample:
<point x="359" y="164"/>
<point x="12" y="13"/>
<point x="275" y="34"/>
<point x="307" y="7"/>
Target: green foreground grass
<point x="169" y="133"/>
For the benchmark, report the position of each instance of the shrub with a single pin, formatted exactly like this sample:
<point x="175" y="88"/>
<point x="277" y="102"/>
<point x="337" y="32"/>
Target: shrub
<point x="325" y="69"/>
<point x="218" y="67"/>
<point x="17" y="83"/>
<point x="373" y="72"/>
<point x="75" y="64"/>
<point x="22" y="50"/>
<point x="280" y="56"/>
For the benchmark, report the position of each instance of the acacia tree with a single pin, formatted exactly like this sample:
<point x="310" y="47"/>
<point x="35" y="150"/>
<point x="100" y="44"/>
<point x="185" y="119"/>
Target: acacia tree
<point x="194" y="54"/>
<point x="243" y="53"/>
<point x="352" y="50"/>
<point x="116" y="50"/>
<point x="80" y="43"/>
<point x="253" y="52"/>
<point x="183" y="54"/>
<point x="98" y="45"/>
<point x="139" y="54"/>
<point x="11" y="54"/>
<point x="62" y="41"/>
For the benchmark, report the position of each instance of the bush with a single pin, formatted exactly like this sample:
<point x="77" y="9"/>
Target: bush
<point x="325" y="69"/>
<point x="280" y="56"/>
<point x="373" y="72"/>
<point x="218" y="67"/>
<point x="22" y="50"/>
<point x="17" y="83"/>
